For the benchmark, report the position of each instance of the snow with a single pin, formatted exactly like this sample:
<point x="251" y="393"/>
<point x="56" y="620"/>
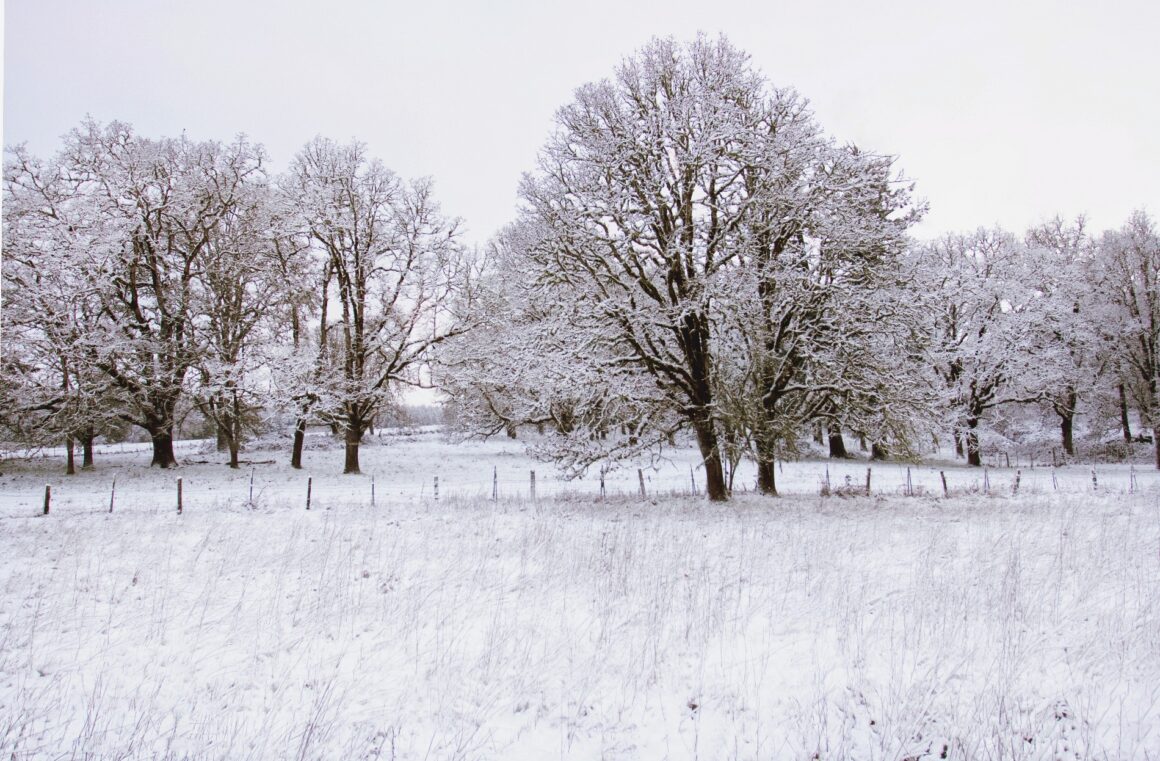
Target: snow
<point x="571" y="627"/>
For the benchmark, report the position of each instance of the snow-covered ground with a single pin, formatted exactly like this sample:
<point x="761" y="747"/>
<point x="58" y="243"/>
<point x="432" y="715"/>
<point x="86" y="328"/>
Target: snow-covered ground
<point x="980" y="626"/>
<point x="402" y="467"/>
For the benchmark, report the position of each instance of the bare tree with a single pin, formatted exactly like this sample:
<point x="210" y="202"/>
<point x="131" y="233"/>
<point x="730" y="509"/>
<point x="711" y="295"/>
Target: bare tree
<point x="1128" y="266"/>
<point x="638" y="194"/>
<point x="243" y="292"/>
<point x="984" y="312"/>
<point x="51" y="315"/>
<point x="690" y="210"/>
<point x="393" y="268"/>
<point x="1064" y="336"/>
<point x="824" y="327"/>
<point x="159" y="205"/>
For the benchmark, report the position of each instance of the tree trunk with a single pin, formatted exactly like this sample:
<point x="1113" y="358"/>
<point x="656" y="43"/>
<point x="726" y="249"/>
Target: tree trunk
<point x="1065" y="407"/>
<point x="879" y="451"/>
<point x="87" y="439"/>
<point x="70" y="468"/>
<point x="299" y="441"/>
<point x="510" y="429"/>
<point x="1156" y="444"/>
<point x="837" y="445"/>
<point x="223" y="433"/>
<point x="767" y="477"/>
<point x="958" y="436"/>
<point x="233" y="428"/>
<point x="974" y="453"/>
<point x="353" y="437"/>
<point x="766" y="452"/>
<point x="1127" y="429"/>
<point x="711" y="456"/>
<point x="819" y="434"/>
<point x="162" y="447"/>
<point x="1065" y="426"/>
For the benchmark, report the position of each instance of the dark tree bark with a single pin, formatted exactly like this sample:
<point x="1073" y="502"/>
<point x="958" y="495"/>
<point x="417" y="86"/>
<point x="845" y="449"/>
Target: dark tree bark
<point x="299" y="441"/>
<point x="70" y="456"/>
<point x="767" y="477"/>
<point x="1065" y="407"/>
<point x="87" y="438"/>
<point x="958" y="437"/>
<point x="711" y="456"/>
<point x="879" y="451"/>
<point x="694" y="341"/>
<point x="233" y="428"/>
<point x="1124" y="426"/>
<point x="353" y="437"/>
<point x="162" y="438"/>
<point x="837" y="445"/>
<point x="974" y="452"/>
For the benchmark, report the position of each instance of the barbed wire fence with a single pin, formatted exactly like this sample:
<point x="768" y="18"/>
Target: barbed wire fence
<point x="251" y="489"/>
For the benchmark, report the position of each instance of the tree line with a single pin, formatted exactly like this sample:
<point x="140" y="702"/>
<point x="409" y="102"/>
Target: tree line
<point x="692" y="253"/>
<point x="141" y="273"/>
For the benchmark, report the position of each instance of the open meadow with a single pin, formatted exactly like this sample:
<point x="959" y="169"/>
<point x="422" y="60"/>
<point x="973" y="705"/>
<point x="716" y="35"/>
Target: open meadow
<point x="570" y="625"/>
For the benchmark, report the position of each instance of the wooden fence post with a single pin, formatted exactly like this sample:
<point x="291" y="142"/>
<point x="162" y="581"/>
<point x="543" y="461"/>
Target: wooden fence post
<point x="494" y="483"/>
<point x="436" y="488"/>
<point x="640" y="477"/>
<point x="942" y="474"/>
<point x="113" y="494"/>
<point x="867" y="482"/>
<point x="251" y="486"/>
<point x="372" y="489"/>
<point x="47" y="497"/>
<point x="533" y="486"/>
<point x="309" y="488"/>
<point x="179" y="495"/>
<point x="1015" y="486"/>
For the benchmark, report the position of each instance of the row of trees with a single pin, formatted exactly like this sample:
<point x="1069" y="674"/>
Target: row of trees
<point x="693" y="253"/>
<point x="139" y="273"/>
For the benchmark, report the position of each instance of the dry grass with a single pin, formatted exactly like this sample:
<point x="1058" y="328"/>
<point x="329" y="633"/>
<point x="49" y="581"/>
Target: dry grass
<point x="833" y="629"/>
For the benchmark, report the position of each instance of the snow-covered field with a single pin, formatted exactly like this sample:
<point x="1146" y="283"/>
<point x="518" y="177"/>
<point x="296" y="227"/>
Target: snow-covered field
<point x="886" y="627"/>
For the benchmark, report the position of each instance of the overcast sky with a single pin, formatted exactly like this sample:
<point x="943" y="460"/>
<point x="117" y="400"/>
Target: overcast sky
<point x="1004" y="113"/>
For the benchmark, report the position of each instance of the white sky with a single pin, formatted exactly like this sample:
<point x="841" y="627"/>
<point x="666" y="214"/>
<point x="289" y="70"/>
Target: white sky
<point x="1004" y="112"/>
